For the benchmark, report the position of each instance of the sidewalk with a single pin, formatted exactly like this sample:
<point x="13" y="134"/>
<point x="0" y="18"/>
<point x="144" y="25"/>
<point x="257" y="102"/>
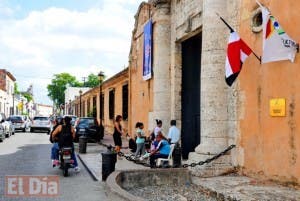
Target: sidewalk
<point x="234" y="187"/>
<point x="93" y="158"/>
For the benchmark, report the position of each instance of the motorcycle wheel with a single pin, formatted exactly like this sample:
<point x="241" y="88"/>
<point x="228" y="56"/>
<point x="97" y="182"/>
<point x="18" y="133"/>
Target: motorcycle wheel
<point x="66" y="172"/>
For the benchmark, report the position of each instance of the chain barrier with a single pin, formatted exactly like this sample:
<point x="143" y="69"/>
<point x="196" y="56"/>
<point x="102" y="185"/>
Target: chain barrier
<point x="129" y="158"/>
<point x="138" y="162"/>
<point x="210" y="159"/>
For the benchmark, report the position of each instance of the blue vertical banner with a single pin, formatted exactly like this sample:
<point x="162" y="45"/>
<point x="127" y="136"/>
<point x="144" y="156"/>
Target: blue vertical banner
<point x="147" y="56"/>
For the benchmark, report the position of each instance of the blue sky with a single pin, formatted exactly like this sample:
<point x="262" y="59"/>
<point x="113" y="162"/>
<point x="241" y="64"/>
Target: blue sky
<point x="39" y="38"/>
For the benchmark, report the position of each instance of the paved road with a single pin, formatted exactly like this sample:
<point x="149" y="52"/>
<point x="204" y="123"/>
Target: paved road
<point x="29" y="154"/>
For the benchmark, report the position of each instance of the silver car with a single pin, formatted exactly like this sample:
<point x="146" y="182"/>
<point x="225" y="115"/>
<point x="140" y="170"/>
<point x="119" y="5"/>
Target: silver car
<point x="18" y="122"/>
<point x="41" y="123"/>
<point x="7" y="125"/>
<point x="2" y="133"/>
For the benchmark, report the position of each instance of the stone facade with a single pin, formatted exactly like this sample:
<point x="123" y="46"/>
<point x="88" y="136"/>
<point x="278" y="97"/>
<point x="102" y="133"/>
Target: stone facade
<point x="173" y="23"/>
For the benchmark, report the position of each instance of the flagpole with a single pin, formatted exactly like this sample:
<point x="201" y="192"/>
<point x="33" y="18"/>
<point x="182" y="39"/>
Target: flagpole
<point x="232" y="30"/>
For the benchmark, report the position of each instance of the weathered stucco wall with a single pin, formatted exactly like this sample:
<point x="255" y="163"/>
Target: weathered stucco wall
<point x="140" y="91"/>
<point x="270" y="145"/>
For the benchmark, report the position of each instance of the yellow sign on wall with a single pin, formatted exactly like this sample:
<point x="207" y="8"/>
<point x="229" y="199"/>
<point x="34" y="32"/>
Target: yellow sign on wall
<point x="277" y="107"/>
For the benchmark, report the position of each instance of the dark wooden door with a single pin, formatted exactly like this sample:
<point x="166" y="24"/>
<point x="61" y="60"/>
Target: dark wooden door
<point x="191" y="69"/>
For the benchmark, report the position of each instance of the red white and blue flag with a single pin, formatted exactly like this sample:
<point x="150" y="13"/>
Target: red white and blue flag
<point x="237" y="52"/>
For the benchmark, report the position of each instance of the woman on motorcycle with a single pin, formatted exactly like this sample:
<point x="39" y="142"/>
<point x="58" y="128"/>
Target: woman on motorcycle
<point x="66" y="128"/>
<point x="54" y="141"/>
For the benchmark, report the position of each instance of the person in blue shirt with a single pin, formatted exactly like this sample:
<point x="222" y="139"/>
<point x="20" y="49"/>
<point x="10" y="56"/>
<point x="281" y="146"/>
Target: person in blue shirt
<point x="162" y="150"/>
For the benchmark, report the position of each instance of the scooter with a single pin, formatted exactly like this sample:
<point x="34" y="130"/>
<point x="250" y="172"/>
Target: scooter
<point x="66" y="160"/>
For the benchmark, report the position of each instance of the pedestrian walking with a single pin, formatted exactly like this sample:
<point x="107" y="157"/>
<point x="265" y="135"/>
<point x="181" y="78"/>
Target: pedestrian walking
<point x="118" y="132"/>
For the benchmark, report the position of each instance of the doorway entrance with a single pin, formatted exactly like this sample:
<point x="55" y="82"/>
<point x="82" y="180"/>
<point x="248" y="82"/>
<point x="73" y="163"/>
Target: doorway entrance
<point x="191" y="80"/>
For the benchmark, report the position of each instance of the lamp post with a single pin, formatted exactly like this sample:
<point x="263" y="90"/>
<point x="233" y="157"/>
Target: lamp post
<point x="13" y="110"/>
<point x="70" y="107"/>
<point x="101" y="77"/>
<point x="80" y="93"/>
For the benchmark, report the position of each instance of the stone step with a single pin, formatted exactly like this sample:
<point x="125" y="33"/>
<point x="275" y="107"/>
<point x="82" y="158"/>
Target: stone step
<point x="220" y="166"/>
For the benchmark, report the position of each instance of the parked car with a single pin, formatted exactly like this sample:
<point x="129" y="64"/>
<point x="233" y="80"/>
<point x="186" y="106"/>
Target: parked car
<point x="87" y="126"/>
<point x="41" y="123"/>
<point x="18" y="122"/>
<point x="2" y="133"/>
<point x="8" y="127"/>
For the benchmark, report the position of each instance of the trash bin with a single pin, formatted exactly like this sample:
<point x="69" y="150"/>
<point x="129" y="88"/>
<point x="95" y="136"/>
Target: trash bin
<point x="177" y="156"/>
<point x="82" y="144"/>
<point x="109" y="160"/>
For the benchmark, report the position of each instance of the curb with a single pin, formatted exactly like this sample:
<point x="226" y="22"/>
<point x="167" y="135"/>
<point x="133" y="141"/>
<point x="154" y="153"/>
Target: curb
<point x="92" y="174"/>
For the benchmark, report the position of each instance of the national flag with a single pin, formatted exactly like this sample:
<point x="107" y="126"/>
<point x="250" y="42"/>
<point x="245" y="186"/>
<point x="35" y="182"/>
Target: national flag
<point x="237" y="52"/>
<point x="277" y="45"/>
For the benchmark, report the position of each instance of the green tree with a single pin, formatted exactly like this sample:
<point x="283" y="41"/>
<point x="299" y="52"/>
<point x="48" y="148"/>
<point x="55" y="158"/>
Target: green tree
<point x="28" y="96"/>
<point x="92" y="81"/>
<point x="56" y="90"/>
<point x="16" y="89"/>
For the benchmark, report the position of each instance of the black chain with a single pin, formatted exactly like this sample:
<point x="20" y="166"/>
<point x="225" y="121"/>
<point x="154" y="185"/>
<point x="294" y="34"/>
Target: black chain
<point x="209" y="159"/>
<point x="138" y="162"/>
<point x="129" y="158"/>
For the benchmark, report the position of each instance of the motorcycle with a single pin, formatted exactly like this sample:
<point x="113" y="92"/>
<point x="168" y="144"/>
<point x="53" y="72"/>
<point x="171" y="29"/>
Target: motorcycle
<point x="66" y="160"/>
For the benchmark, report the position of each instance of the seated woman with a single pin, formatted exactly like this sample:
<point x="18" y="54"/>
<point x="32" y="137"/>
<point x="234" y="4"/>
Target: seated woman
<point x="162" y="150"/>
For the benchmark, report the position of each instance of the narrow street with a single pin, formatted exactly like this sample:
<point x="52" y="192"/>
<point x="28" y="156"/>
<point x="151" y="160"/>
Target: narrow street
<point x="29" y="154"/>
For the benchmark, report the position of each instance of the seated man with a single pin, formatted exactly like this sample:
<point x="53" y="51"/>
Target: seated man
<point x="161" y="151"/>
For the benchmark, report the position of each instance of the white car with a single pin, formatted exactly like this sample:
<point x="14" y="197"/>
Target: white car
<point x="7" y="125"/>
<point x="41" y="123"/>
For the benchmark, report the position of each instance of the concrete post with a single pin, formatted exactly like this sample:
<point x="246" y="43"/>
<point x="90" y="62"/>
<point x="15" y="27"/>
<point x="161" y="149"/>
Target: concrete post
<point x="214" y="104"/>
<point x="161" y="63"/>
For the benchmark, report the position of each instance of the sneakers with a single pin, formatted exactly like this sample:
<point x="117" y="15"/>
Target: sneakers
<point x="77" y="169"/>
<point x="55" y="163"/>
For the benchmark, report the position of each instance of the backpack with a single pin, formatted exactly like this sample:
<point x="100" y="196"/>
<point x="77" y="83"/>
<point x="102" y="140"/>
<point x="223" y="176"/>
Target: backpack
<point x="65" y="137"/>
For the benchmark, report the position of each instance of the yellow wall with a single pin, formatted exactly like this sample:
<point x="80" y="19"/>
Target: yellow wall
<point x="271" y="144"/>
<point x="141" y="92"/>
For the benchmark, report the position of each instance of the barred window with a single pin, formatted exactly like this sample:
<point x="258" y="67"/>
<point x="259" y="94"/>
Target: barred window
<point x="112" y="104"/>
<point x="125" y="102"/>
<point x="102" y="106"/>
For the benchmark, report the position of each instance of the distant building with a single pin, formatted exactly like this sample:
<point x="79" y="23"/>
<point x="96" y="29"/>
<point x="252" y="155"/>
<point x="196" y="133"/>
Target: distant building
<point x="71" y="93"/>
<point x="43" y="110"/>
<point x="7" y="85"/>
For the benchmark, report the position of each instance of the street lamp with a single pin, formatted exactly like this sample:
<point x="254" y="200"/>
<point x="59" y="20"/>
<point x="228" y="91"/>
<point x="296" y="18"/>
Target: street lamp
<point x="70" y="107"/>
<point x="80" y="93"/>
<point x="101" y="77"/>
<point x="13" y="110"/>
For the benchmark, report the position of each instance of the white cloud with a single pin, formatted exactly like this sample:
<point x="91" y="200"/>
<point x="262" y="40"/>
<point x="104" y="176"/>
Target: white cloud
<point x="58" y="40"/>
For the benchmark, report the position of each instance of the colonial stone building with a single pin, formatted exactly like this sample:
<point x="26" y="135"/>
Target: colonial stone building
<point x="189" y="43"/>
<point x="189" y="50"/>
<point x="114" y="101"/>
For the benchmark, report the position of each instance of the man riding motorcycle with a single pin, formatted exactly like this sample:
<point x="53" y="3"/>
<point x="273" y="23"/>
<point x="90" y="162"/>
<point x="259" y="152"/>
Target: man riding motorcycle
<point x="66" y="135"/>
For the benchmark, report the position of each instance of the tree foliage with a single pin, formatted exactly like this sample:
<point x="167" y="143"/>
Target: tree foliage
<point x="56" y="90"/>
<point x="28" y="96"/>
<point x="92" y="81"/>
<point x="16" y="89"/>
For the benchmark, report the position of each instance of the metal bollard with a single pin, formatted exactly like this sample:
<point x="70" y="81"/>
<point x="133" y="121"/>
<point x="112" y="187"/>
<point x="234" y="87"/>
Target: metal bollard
<point x="177" y="156"/>
<point x="109" y="160"/>
<point x="82" y="144"/>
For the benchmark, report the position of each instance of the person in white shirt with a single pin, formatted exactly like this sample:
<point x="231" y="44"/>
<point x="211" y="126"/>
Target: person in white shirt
<point x="174" y="133"/>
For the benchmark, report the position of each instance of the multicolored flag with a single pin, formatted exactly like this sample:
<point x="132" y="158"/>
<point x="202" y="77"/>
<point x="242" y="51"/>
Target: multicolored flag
<point x="237" y="52"/>
<point x="277" y="45"/>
